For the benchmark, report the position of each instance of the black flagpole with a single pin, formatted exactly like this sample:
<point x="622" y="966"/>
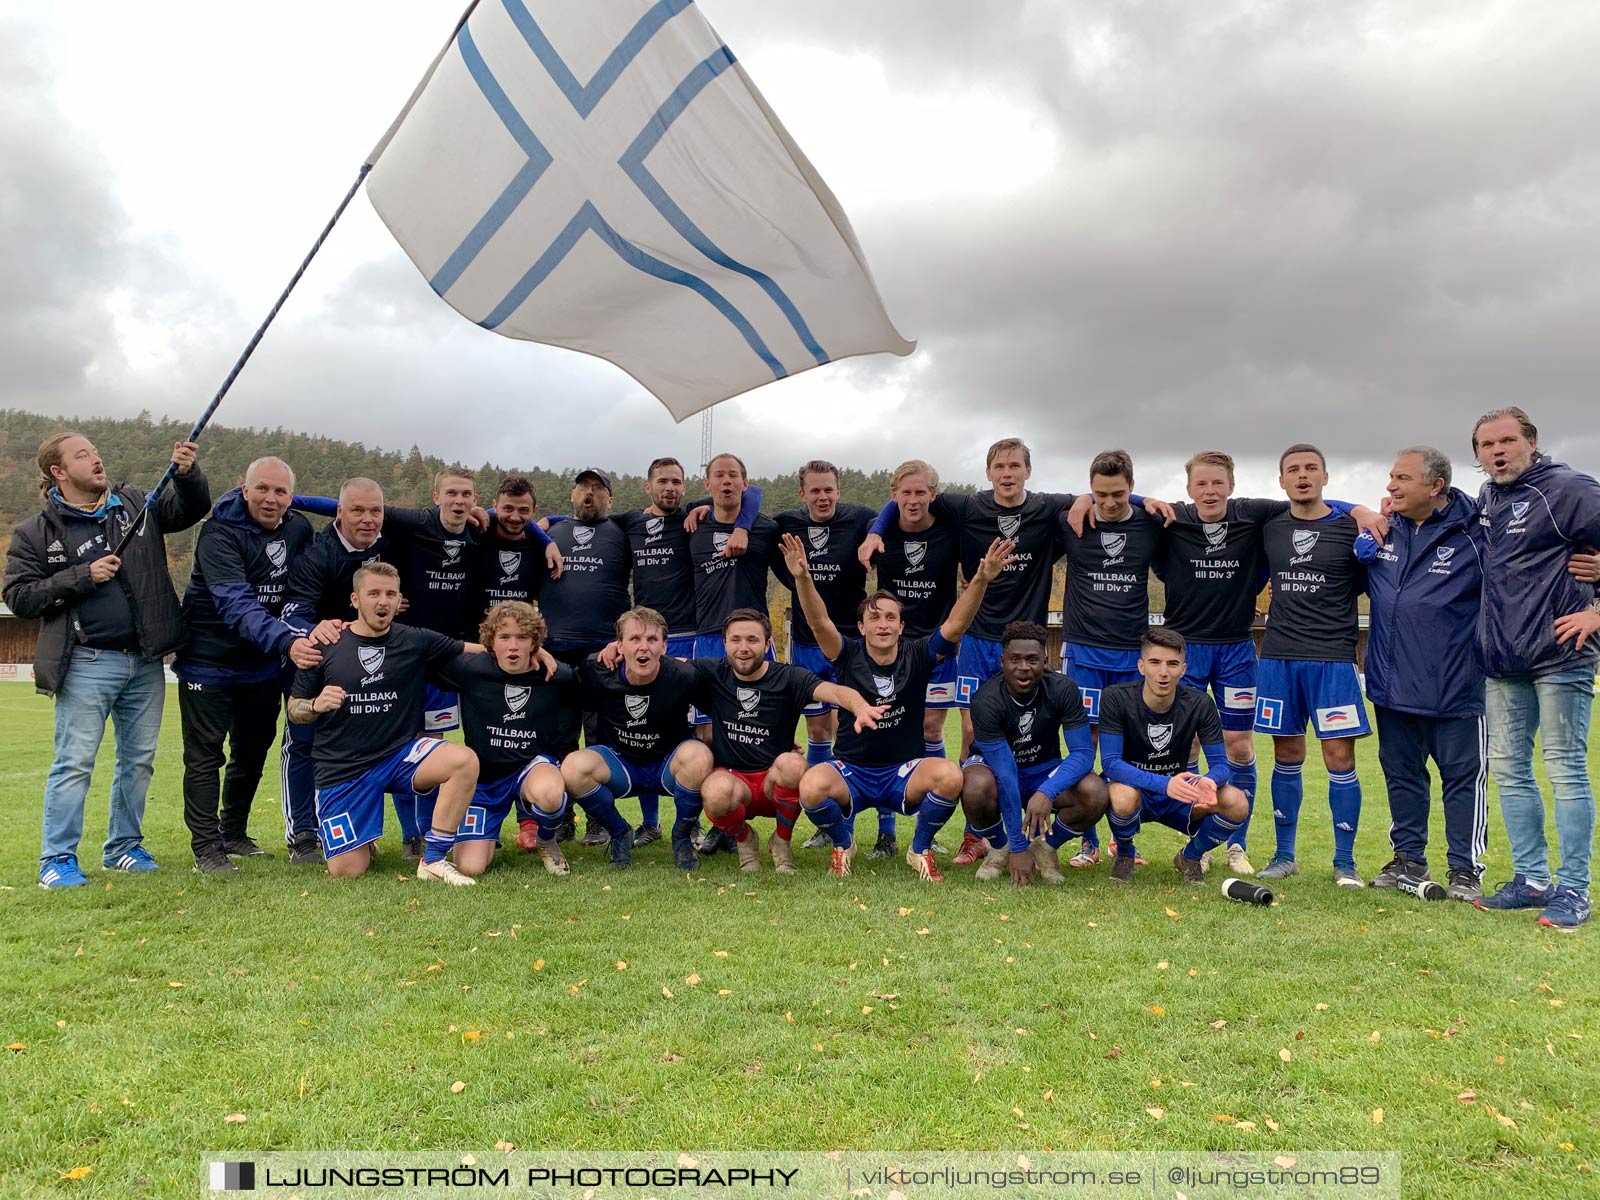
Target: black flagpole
<point x="216" y="401"/>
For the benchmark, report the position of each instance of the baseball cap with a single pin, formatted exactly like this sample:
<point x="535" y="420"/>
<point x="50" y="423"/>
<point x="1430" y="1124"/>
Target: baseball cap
<point x="596" y="474"/>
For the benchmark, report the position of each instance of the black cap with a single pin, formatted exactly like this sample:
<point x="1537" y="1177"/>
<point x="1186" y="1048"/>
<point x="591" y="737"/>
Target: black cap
<point x="594" y="473"/>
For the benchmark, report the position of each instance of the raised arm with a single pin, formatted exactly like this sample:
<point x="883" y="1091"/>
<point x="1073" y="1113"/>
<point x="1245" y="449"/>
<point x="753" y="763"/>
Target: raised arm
<point x="965" y="610"/>
<point x="829" y="639"/>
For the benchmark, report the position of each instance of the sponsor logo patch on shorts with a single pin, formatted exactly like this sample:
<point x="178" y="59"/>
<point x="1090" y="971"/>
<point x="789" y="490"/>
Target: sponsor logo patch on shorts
<point x="1239" y="698"/>
<point x="338" y="832"/>
<point x="1091" y="702"/>
<point x="475" y="822"/>
<point x="1338" y="718"/>
<point x="1269" y="713"/>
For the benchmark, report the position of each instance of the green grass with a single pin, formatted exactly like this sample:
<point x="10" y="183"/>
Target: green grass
<point x="323" y="1011"/>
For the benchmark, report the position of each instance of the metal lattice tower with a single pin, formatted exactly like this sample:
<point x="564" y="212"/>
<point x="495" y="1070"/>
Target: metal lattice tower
<point x="705" y="438"/>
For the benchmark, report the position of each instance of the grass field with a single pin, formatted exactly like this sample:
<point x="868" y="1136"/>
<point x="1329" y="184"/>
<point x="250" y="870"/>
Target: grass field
<point x="646" y="1010"/>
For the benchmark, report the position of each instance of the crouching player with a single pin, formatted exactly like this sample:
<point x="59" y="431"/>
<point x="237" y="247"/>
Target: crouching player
<point x="884" y="767"/>
<point x="1146" y="730"/>
<point x="513" y="701"/>
<point x="366" y="696"/>
<point x="646" y="744"/>
<point x="1020" y="718"/>
<point x="754" y="705"/>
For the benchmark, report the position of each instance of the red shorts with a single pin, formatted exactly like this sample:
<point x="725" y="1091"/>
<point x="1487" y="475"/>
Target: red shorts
<point x="759" y="804"/>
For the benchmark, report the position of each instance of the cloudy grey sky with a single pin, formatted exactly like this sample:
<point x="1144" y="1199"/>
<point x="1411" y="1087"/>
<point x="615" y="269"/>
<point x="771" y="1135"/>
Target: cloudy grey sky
<point x="1161" y="226"/>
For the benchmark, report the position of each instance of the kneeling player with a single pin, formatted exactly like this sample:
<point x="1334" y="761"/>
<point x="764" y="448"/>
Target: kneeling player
<point x="754" y="705"/>
<point x="513" y="701"/>
<point x="1020" y="796"/>
<point x="884" y="767"/>
<point x="1146" y="730"/>
<point x="645" y="744"/>
<point x="366" y="696"/>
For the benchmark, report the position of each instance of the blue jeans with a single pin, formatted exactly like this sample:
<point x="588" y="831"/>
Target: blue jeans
<point x="101" y="684"/>
<point x="1556" y="706"/>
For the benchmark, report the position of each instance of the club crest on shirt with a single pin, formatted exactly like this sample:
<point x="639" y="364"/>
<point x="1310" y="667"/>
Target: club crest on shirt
<point x="1010" y="523"/>
<point x="1113" y="543"/>
<point x="277" y="553"/>
<point x="817" y="535"/>
<point x="884" y="685"/>
<point x="517" y="698"/>
<point x="1444" y="553"/>
<point x="510" y="560"/>
<point x="371" y="658"/>
<point x="452" y="550"/>
<point x="748" y="699"/>
<point x="719" y="541"/>
<point x="1025" y="723"/>
<point x="916" y="552"/>
<point x="637" y="706"/>
<point x="1216" y="534"/>
<point x="1304" y="539"/>
<point x="1160" y="736"/>
<point x="1519" y="509"/>
<point x="653" y="526"/>
<point x="582" y="536"/>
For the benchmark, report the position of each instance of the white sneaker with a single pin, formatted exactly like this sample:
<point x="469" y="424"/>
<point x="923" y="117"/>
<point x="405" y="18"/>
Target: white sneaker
<point x="444" y="871"/>
<point x="1238" y="862"/>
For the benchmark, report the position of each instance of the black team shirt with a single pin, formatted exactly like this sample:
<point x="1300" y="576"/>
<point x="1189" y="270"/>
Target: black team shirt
<point x="643" y="722"/>
<point x="902" y="685"/>
<point x="1158" y="742"/>
<point x="1108" y="581"/>
<point x="919" y="569"/>
<point x="831" y="550"/>
<point x="1316" y="581"/>
<point x="509" y="720"/>
<point x="1031" y="727"/>
<point x="724" y="584"/>
<point x="1022" y="590"/>
<point x="1213" y="570"/>
<point x="752" y="721"/>
<point x="435" y="566"/>
<point x="582" y="606"/>
<point x="383" y="679"/>
<point x="663" y="575"/>
<point x="506" y="569"/>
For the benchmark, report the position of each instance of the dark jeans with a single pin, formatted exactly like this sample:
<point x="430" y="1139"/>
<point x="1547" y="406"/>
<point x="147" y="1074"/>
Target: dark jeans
<point x="246" y="716"/>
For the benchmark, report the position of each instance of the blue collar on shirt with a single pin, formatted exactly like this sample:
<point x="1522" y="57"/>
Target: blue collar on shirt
<point x="99" y="514"/>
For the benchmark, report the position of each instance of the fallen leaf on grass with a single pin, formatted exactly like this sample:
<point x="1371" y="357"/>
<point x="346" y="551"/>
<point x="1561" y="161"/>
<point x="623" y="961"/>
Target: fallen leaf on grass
<point x="866" y="1010"/>
<point x="1322" y="1008"/>
<point x="905" y="912"/>
<point x="1163" y="965"/>
<point x="621" y="966"/>
<point x="1219" y="1024"/>
<point x="17" y="1046"/>
<point x="886" y="995"/>
<point x="1171" y="913"/>
<point x="1494" y="1112"/>
<point x="724" y="992"/>
<point x="1245" y="1126"/>
<point x="538" y="964"/>
<point x="1285" y="1055"/>
<point x="1018" y="1113"/>
<point x="175" y="984"/>
<point x="1377" y="1116"/>
<point x="1274" y="1126"/>
<point x="1049" y="1096"/>
<point x="458" y="1087"/>
<point x="692" y="980"/>
<point x="816" y="1045"/>
<point x="235" y="1119"/>
<point x="504" y="1146"/>
<point x="1374" y="1036"/>
<point x="789" y="1017"/>
<point x="1221" y="1117"/>
<point x="1114" y="1052"/>
<point x="1157" y="1011"/>
<point x="472" y="1035"/>
<point x="1467" y="1097"/>
<point x="719" y="954"/>
<point x="923" y="932"/>
<point x="1157" y="1113"/>
<point x="666" y="991"/>
<point x="76" y="1173"/>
